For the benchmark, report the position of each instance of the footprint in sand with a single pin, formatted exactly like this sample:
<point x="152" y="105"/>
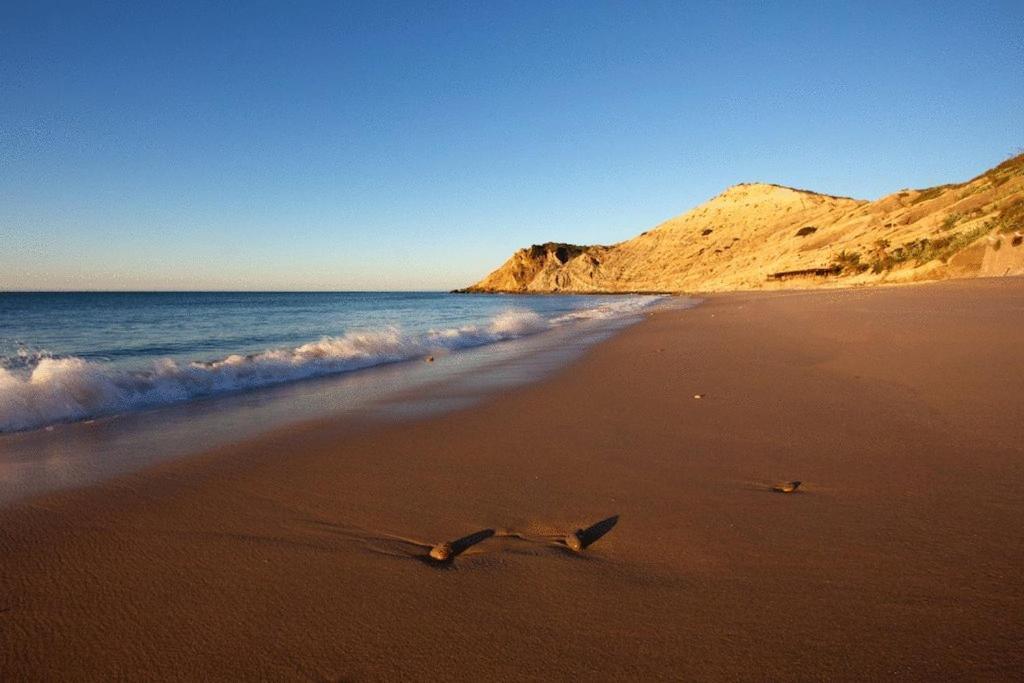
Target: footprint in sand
<point x="577" y="541"/>
<point x="444" y="554"/>
<point x="393" y="545"/>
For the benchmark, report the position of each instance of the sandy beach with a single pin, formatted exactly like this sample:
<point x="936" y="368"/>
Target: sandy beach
<point x="301" y="555"/>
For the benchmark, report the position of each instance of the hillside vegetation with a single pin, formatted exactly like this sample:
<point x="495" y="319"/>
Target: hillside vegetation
<point x="759" y="235"/>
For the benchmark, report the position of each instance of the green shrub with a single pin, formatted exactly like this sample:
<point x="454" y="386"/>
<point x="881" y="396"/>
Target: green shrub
<point x="848" y="263"/>
<point x="930" y="193"/>
<point x="924" y="250"/>
<point x="950" y="222"/>
<point x="1011" y="217"/>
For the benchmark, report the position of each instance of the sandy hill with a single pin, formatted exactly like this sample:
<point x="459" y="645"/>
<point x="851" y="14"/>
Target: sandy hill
<point x="759" y="235"/>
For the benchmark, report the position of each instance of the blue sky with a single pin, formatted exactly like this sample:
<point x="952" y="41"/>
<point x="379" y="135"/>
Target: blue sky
<point x="416" y="145"/>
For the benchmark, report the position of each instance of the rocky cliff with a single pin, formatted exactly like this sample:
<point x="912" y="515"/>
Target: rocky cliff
<point x="768" y="236"/>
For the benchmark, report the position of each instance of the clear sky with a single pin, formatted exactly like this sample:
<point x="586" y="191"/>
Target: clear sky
<point x="416" y="145"/>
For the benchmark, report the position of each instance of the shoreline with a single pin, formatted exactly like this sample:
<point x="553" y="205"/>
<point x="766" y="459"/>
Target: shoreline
<point x="102" y="374"/>
<point x="299" y="554"/>
<point x="87" y="451"/>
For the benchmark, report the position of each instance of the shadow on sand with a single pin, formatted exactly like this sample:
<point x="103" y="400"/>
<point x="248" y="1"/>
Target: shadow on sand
<point x="444" y="554"/>
<point x="581" y="539"/>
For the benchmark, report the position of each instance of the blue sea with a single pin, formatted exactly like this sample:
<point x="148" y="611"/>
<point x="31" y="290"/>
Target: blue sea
<point x="76" y="356"/>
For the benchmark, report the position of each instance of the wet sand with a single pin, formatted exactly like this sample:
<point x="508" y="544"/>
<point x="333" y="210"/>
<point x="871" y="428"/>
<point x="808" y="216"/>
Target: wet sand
<point x="302" y="554"/>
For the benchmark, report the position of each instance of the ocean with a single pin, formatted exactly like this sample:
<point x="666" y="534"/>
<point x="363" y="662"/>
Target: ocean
<point x="68" y="357"/>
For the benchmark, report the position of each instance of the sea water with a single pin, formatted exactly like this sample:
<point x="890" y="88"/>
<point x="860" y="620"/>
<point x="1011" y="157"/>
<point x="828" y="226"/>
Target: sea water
<point x="68" y="357"/>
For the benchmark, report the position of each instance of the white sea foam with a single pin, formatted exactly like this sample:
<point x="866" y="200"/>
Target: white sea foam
<point x="43" y="390"/>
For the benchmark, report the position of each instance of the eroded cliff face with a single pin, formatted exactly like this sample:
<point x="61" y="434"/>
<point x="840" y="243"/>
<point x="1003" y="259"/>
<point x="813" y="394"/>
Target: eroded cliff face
<point x="768" y="236"/>
<point x="551" y="267"/>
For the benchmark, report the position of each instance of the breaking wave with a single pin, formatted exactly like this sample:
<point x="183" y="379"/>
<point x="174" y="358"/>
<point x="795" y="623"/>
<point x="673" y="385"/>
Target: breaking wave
<point x="37" y="389"/>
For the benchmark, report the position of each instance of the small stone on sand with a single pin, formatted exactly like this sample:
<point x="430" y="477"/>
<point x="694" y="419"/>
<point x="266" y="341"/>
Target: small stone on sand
<point x="430" y="359"/>
<point x="441" y="552"/>
<point x="699" y="396"/>
<point x="787" y="487"/>
<point x="574" y="541"/>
